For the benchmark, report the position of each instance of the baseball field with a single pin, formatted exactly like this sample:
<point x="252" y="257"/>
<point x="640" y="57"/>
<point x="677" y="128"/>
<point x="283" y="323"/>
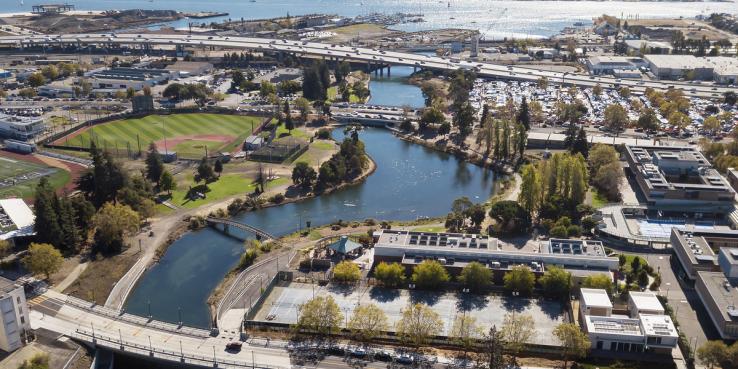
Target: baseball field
<point x="189" y="135"/>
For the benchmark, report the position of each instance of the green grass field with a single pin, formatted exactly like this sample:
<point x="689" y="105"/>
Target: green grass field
<point x="154" y="128"/>
<point x="227" y="185"/>
<point x="10" y="168"/>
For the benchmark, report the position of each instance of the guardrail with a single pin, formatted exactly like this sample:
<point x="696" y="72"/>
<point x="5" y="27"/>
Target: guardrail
<point x="118" y="344"/>
<point x="228" y="300"/>
<point x="139" y="268"/>
<point x="135" y="319"/>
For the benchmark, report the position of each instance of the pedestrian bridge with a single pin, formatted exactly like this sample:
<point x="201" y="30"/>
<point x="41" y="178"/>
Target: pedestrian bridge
<point x="227" y="223"/>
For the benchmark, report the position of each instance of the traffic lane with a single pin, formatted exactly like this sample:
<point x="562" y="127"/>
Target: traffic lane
<point x="690" y="313"/>
<point x="360" y="54"/>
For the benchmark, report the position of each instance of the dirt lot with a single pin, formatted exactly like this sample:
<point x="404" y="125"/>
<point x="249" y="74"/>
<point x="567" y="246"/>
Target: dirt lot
<point x="691" y="28"/>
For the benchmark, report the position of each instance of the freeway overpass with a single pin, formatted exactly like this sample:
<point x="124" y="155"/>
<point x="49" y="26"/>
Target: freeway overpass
<point x="373" y="57"/>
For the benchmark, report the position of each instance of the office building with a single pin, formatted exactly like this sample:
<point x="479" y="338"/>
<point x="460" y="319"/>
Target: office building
<point x="456" y="250"/>
<point x="719" y="295"/>
<point x="14" y="315"/>
<point x="645" y="329"/>
<point x="679" y="179"/>
<point x="694" y="248"/>
<point x="20" y="128"/>
<point x="608" y="64"/>
<point x="116" y="79"/>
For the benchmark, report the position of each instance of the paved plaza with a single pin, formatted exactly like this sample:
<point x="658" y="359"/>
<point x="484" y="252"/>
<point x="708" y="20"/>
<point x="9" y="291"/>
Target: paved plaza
<point x="283" y="303"/>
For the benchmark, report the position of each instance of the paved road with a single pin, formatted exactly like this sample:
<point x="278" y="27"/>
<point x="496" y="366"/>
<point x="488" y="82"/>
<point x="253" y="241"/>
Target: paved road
<point x="338" y="52"/>
<point x="49" y="311"/>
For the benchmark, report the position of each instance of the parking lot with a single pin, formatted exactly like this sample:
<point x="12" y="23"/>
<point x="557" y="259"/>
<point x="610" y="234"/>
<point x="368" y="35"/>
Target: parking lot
<point x="283" y="304"/>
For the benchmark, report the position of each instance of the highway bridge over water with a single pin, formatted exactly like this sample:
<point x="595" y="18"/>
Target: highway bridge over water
<point x="374" y="58"/>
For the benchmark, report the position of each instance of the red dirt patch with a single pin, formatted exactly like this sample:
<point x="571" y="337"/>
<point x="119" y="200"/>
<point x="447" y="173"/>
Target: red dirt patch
<point x="174" y="141"/>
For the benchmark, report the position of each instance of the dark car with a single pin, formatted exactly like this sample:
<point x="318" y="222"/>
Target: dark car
<point x="234" y="346"/>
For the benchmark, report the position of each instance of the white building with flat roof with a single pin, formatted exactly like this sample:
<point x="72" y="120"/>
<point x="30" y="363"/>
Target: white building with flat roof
<point x="608" y="64"/>
<point x="644" y="303"/>
<point x="724" y="69"/>
<point x="678" y="66"/>
<point x="594" y="302"/>
<point x="645" y="330"/>
<point x="16" y="219"/>
<point x="14" y="315"/>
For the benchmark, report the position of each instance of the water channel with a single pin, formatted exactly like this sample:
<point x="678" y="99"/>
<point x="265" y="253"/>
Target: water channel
<point x="411" y="181"/>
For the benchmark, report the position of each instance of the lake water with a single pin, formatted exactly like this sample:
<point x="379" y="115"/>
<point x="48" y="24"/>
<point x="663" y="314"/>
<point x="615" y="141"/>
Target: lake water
<point x="495" y="19"/>
<point x="410" y="181"/>
<point x="393" y="90"/>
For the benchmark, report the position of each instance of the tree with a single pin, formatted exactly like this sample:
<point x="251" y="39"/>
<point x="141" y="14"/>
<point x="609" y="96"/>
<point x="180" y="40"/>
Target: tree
<point x="574" y="342"/>
<point x="390" y="275"/>
<point x="556" y="282"/>
<point x="524" y="114"/>
<point x="346" y="271"/>
<point x="616" y="118"/>
<point x="367" y="322"/>
<point x="4" y="248"/>
<point x="711" y="124"/>
<point x="320" y="315"/>
<point x="601" y="155"/>
<point x="713" y="353"/>
<point x="730" y="98"/>
<point x="218" y="167"/>
<point x="36" y="80"/>
<point x="607" y="179"/>
<point x="517" y="329"/>
<point x="167" y="183"/>
<point x="112" y="224"/>
<point x="624" y="92"/>
<point x="430" y="274"/>
<point x="418" y="323"/>
<point x="303" y="105"/>
<point x="648" y="120"/>
<point x="510" y="216"/>
<point x="146" y="91"/>
<point x="154" y="164"/>
<point x="597" y="90"/>
<point x="267" y="88"/>
<point x="679" y="120"/>
<point x="530" y="187"/>
<point x="465" y="332"/>
<point x="520" y="279"/>
<point x="580" y="144"/>
<point x="205" y="171"/>
<point x="599" y="281"/>
<point x="303" y="174"/>
<point x="47" y="222"/>
<point x="431" y="116"/>
<point x="42" y="258"/>
<point x="130" y="93"/>
<point x="475" y="276"/>
<point x="491" y="356"/>
<point x="542" y="82"/>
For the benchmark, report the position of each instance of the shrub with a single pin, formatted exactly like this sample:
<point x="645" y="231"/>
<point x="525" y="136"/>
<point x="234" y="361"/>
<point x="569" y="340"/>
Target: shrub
<point x="574" y="231"/>
<point x="558" y="232"/>
<point x="323" y="134"/>
<point x="277" y="199"/>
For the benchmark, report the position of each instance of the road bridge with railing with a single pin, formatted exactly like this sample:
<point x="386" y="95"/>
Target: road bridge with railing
<point x="142" y="337"/>
<point x="374" y="58"/>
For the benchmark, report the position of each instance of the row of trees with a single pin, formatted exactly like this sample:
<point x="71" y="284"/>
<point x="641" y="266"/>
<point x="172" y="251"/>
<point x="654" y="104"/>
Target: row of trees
<point x="550" y="188"/>
<point x="419" y="323"/>
<point x="189" y="91"/>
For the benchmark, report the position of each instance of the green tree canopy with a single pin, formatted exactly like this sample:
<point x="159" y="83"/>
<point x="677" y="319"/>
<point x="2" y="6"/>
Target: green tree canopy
<point x="390" y="274"/>
<point x="520" y="280"/>
<point x="43" y="259"/>
<point x="475" y="276"/>
<point x="346" y="271"/>
<point x="430" y="274"/>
